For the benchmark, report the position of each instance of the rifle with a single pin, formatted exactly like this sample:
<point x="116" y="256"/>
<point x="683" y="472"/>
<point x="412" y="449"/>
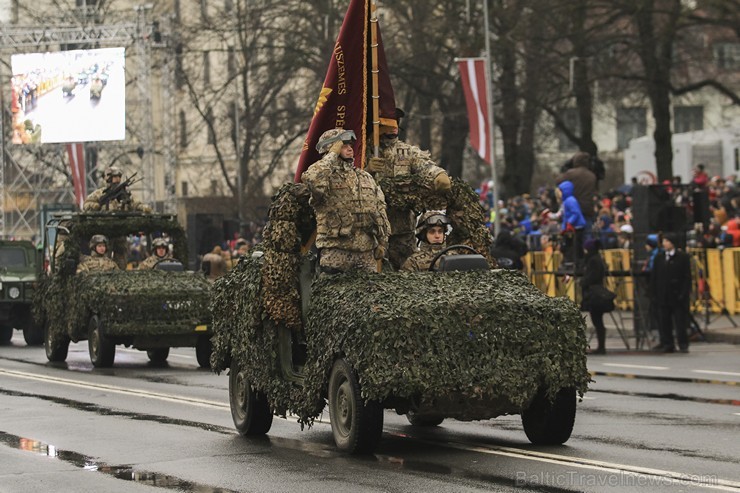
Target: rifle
<point x="118" y="191"/>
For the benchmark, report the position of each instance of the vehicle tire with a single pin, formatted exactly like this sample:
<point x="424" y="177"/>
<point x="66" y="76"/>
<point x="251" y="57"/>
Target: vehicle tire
<point x="203" y="350"/>
<point x="56" y="346"/>
<point x="357" y="426"/>
<point x="250" y="410"/>
<point x="33" y="333"/>
<point x="6" y="334"/>
<point x="102" y="350"/>
<point x="423" y="420"/>
<point x="158" y="355"/>
<point x="550" y="423"/>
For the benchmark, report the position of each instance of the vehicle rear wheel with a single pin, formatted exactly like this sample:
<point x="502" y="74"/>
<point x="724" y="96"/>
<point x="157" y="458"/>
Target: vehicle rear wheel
<point x="32" y="333"/>
<point x="55" y="345"/>
<point x="250" y="410"/>
<point x="158" y="355"/>
<point x="203" y="350"/>
<point x="550" y="423"/>
<point x="102" y="350"/>
<point x="417" y="420"/>
<point x="357" y="426"/>
<point x="6" y="334"/>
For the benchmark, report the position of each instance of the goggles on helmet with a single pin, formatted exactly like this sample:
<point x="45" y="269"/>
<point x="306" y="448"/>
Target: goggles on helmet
<point x="347" y="137"/>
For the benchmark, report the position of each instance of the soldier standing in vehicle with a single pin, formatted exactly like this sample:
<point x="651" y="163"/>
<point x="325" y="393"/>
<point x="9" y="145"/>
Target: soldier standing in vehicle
<point x="399" y="159"/>
<point x="160" y="253"/>
<point x="113" y="196"/>
<point x="431" y="231"/>
<point x="351" y="221"/>
<point x="98" y="260"/>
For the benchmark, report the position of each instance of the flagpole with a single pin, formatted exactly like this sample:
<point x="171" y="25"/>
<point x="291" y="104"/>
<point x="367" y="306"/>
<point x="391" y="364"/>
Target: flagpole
<point x="375" y="83"/>
<point x="492" y="139"/>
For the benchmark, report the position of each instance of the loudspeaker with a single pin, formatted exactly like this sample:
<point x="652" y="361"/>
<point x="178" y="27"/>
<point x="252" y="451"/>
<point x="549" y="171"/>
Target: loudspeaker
<point x="701" y="208"/>
<point x="654" y="211"/>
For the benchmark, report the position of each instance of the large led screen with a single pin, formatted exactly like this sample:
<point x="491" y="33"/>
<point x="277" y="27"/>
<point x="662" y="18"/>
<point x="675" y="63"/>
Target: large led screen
<point x="68" y="96"/>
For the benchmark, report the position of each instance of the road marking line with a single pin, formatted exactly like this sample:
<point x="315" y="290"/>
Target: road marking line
<point x="644" y="367"/>
<point x="118" y="390"/>
<point x="137" y="351"/>
<point x="713" y="483"/>
<point x="714" y="372"/>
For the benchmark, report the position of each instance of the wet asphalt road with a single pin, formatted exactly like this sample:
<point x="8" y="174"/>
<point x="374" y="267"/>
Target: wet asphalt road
<point x="136" y="427"/>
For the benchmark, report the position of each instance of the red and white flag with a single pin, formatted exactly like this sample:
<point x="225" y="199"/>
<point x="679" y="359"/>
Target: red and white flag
<point x="76" y="154"/>
<point x="473" y="75"/>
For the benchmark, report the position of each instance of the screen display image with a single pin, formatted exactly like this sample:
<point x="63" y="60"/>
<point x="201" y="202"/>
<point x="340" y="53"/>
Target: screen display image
<point x="68" y="96"/>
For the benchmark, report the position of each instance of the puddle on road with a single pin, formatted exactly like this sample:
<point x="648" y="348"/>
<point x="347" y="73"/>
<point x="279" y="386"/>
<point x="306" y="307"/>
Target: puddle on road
<point x="123" y="472"/>
<point x="672" y="396"/>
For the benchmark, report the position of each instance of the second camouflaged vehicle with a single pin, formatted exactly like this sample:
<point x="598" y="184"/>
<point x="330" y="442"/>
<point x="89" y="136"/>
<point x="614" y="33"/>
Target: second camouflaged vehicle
<point x="151" y="310"/>
<point x="464" y="341"/>
<point x="20" y="265"/>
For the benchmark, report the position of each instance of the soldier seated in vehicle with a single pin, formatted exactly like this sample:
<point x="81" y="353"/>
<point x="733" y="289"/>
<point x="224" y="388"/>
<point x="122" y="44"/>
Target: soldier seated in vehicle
<point x="351" y="222"/>
<point x="113" y="196"/>
<point x="160" y="253"/>
<point x="98" y="260"/>
<point x="431" y="231"/>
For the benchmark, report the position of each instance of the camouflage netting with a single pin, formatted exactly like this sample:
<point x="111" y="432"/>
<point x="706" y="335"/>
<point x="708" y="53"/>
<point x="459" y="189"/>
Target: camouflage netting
<point x="411" y="335"/>
<point x="149" y="302"/>
<point x="468" y="220"/>
<point x="410" y="192"/>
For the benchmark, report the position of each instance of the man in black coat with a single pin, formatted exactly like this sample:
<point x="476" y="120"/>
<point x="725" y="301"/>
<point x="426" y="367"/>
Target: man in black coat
<point x="670" y="285"/>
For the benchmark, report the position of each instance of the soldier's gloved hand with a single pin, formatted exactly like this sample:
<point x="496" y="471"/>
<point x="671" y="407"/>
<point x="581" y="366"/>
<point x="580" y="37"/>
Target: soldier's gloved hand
<point x="336" y="147"/>
<point x="375" y="165"/>
<point x="442" y="183"/>
<point x="379" y="252"/>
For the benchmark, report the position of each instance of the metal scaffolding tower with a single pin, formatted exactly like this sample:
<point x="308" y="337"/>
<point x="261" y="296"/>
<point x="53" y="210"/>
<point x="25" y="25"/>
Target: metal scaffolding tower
<point x="26" y="184"/>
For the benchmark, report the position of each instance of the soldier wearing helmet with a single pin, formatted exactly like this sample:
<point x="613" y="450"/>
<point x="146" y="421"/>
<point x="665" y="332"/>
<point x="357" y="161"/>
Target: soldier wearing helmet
<point x="160" y="253"/>
<point x="431" y="231"/>
<point x="397" y="159"/>
<point x="351" y="223"/>
<point x="98" y="260"/>
<point x="122" y="200"/>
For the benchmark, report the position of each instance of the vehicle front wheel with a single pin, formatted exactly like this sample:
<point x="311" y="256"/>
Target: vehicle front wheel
<point x="550" y="423"/>
<point x="33" y="333"/>
<point x="203" y="350"/>
<point x="102" y="350"/>
<point x="6" y="334"/>
<point x="250" y="410"/>
<point x="357" y="426"/>
<point x="417" y="420"/>
<point x="55" y="345"/>
<point x="159" y="355"/>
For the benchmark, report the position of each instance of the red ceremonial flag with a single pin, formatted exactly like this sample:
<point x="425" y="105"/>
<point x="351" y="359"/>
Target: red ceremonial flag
<point x="473" y="75"/>
<point x="345" y="98"/>
<point x="77" y="164"/>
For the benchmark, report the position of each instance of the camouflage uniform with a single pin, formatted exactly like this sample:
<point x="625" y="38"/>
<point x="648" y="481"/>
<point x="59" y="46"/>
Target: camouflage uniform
<point x="152" y="260"/>
<point x="422" y="258"/>
<point x="402" y="159"/>
<point x="92" y="203"/>
<point x="351" y="221"/>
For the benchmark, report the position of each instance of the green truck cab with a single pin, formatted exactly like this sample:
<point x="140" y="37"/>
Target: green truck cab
<point x="461" y="341"/>
<point x="20" y="265"/>
<point x="150" y="310"/>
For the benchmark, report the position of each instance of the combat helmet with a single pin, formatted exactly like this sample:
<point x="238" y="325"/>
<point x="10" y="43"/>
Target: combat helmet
<point x="112" y="171"/>
<point x="429" y="219"/>
<point x="334" y="135"/>
<point x="97" y="240"/>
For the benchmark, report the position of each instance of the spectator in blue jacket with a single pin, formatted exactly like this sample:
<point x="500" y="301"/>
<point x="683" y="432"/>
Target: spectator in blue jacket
<point x="572" y="222"/>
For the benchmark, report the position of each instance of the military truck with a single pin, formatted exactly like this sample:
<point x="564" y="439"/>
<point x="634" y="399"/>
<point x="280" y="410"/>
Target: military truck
<point x="20" y="264"/>
<point x="150" y="310"/>
<point x="461" y="341"/>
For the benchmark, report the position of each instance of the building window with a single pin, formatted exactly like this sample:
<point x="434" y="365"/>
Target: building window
<point x="727" y="55"/>
<point x="572" y="122"/>
<point x="183" y="130"/>
<point x="231" y="62"/>
<point x="631" y="124"/>
<point x="209" y="124"/>
<point x="228" y="5"/>
<point x="179" y="70"/>
<point x="688" y="118"/>
<point x="203" y="11"/>
<point x="177" y="11"/>
<point x="206" y="68"/>
<point x="184" y="188"/>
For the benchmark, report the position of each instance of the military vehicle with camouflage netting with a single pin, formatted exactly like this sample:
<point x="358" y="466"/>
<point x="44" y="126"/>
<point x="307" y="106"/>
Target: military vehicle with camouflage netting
<point x="151" y="310"/>
<point x="462" y="341"/>
<point x="20" y="264"/>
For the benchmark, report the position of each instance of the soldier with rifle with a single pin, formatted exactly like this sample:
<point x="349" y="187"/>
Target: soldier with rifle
<point x="115" y="196"/>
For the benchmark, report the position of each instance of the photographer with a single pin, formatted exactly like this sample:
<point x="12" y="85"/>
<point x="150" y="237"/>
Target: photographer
<point x="579" y="171"/>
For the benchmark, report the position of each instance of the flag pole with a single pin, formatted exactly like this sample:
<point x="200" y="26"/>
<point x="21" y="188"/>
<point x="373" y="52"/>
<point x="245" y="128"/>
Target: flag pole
<point x="375" y="83"/>
<point x="492" y="139"/>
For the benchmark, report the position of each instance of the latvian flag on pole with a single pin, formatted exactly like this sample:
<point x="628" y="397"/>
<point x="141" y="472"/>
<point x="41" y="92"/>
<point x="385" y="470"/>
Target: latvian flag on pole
<point x="473" y="75"/>
<point x="76" y="153"/>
